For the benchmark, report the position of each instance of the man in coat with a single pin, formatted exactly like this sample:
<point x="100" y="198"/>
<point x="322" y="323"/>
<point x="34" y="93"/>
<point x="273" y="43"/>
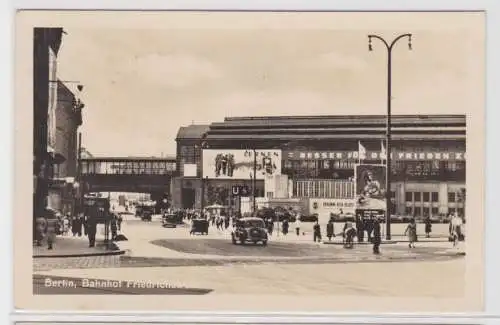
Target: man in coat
<point x="377" y="239"/>
<point x="52" y="224"/>
<point x="91" y="231"/>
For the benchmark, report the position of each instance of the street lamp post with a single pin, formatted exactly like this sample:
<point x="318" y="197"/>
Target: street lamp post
<point x="254" y="180"/>
<point x="389" y="48"/>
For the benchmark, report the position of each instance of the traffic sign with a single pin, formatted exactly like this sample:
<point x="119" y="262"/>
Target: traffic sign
<point x="240" y="190"/>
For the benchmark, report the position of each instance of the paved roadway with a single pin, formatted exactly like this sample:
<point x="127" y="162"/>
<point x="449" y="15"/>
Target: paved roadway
<point x="211" y="264"/>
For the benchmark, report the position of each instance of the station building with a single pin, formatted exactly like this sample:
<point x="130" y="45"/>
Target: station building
<point x="313" y="157"/>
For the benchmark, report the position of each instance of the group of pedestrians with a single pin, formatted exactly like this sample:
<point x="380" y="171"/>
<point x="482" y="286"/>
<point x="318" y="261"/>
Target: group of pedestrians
<point x="54" y="224"/>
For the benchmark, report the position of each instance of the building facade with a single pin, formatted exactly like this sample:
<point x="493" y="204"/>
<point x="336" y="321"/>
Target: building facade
<point x="46" y="44"/>
<point x="314" y="157"/>
<point x="67" y="118"/>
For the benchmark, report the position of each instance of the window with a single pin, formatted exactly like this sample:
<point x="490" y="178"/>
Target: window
<point x="418" y="211"/>
<point x="451" y="166"/>
<point x="417" y="196"/>
<point x="451" y="210"/>
<point x="460" y="212"/>
<point x="270" y="195"/>
<point x="435" y="197"/>
<point x="409" y="211"/>
<point x="426" y="211"/>
<point x="426" y="196"/>
<point x="393" y="194"/>
<point x="409" y="196"/>
<point x="451" y="197"/>
<point x="435" y="211"/>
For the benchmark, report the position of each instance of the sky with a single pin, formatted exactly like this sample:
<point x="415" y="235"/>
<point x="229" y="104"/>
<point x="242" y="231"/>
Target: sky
<point x="147" y="76"/>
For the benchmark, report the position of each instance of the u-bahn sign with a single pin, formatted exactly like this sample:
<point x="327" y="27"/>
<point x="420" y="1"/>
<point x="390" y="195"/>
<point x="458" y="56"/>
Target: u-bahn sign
<point x="240" y="190"/>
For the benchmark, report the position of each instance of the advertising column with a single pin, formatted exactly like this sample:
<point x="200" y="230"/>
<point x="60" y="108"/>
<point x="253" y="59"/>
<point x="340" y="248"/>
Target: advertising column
<point x="370" y="189"/>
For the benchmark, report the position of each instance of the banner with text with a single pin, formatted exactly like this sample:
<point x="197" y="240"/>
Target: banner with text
<point x="370" y="187"/>
<point x="375" y="155"/>
<point x="324" y="207"/>
<point x="239" y="164"/>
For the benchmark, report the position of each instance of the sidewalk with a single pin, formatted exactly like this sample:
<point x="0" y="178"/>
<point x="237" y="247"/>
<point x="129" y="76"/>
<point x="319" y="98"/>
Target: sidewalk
<point x="66" y="246"/>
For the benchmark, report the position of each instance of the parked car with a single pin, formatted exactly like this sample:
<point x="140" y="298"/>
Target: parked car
<point x="309" y="218"/>
<point x="249" y="230"/>
<point x="398" y="218"/>
<point x="169" y="220"/>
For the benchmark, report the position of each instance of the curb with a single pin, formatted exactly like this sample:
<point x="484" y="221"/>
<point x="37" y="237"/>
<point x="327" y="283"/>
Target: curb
<point x="115" y="251"/>
<point x="105" y="253"/>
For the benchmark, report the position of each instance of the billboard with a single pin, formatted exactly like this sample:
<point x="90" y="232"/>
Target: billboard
<point x="239" y="164"/>
<point x="370" y="187"/>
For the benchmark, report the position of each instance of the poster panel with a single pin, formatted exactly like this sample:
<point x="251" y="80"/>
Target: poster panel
<point x="239" y="164"/>
<point x="335" y="206"/>
<point x="370" y="187"/>
<point x="190" y="170"/>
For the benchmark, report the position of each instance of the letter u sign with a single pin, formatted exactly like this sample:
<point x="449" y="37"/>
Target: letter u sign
<point x="235" y="190"/>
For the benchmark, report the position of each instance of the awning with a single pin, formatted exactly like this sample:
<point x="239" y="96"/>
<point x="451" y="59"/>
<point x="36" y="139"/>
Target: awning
<point x="57" y="158"/>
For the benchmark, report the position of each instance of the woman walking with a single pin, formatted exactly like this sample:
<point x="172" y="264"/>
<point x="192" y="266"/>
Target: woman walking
<point x="428" y="227"/>
<point x="411" y="231"/>
<point x="330" y="230"/>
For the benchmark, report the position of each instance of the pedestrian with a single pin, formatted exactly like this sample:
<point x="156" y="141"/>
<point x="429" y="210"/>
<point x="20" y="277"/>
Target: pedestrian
<point x="52" y="224"/>
<point x="330" y="229"/>
<point x="411" y="231"/>
<point x="377" y="239"/>
<point x="91" y="231"/>
<point x="360" y="228"/>
<point x="84" y="222"/>
<point x="74" y="227"/>
<point x="317" y="232"/>
<point x="457" y="235"/>
<point x="297" y="224"/>
<point x="65" y="224"/>
<point x="226" y="222"/>
<point x="428" y="226"/>
<point x="349" y="234"/>
<point x="270" y="226"/>
<point x="369" y="228"/>
<point x="41" y="227"/>
<point x="284" y="227"/>
<point x="120" y="220"/>
<point x="344" y="231"/>
<point x="79" y="225"/>
<point x="59" y="224"/>
<point x="114" y="227"/>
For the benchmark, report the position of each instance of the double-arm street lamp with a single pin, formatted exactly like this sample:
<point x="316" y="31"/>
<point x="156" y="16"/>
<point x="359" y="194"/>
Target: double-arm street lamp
<point x="389" y="47"/>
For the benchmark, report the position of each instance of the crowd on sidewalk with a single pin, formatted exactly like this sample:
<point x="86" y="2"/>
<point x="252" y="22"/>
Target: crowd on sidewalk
<point x="55" y="224"/>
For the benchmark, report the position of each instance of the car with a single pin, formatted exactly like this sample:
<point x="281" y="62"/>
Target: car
<point x="309" y="218"/>
<point x="250" y="229"/>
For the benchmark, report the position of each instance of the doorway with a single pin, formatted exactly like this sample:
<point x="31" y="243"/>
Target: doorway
<point x="188" y="198"/>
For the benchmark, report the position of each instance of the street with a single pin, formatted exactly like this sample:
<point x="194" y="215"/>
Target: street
<point x="293" y="264"/>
